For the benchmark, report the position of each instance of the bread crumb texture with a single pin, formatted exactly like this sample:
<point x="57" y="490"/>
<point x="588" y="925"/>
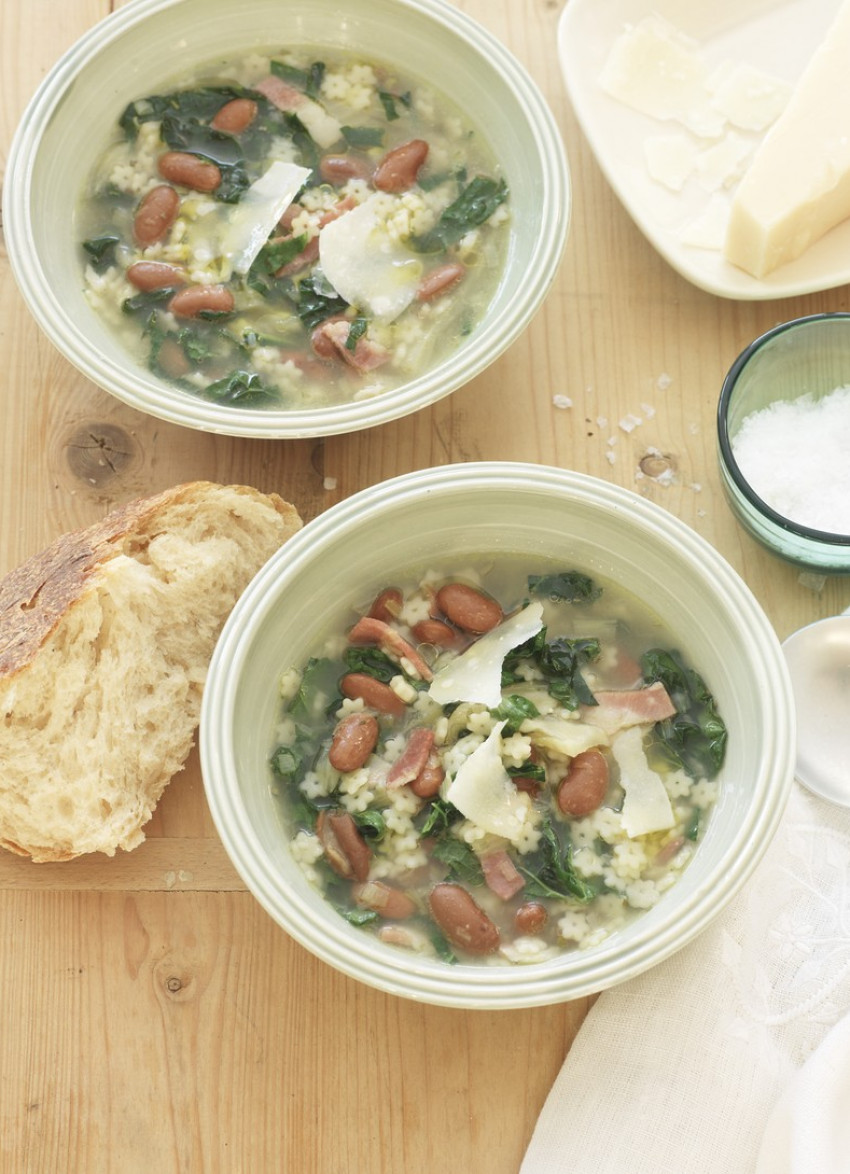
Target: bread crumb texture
<point x="105" y="641"/>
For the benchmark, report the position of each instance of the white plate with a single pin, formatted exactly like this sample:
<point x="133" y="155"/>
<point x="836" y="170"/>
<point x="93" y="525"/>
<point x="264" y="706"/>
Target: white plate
<point x="775" y="36"/>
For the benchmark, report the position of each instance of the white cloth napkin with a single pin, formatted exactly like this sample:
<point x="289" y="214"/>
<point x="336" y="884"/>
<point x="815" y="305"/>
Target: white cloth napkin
<point x="733" y="1056"/>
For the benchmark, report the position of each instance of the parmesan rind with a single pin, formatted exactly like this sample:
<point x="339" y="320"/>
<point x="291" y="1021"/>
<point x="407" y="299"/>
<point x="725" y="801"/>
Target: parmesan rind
<point x="646" y="807"/>
<point x="483" y="791"/>
<point x="366" y="265"/>
<point x="476" y="675"/>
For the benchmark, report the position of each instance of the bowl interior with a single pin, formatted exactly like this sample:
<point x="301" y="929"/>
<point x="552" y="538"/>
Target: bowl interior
<point x="147" y="45"/>
<point x="343" y="557"/>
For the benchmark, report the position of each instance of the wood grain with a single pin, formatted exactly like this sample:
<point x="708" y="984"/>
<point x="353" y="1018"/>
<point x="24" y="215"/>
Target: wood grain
<point x="153" y="1017"/>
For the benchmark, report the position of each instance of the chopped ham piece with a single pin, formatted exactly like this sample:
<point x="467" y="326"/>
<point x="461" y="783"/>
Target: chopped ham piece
<point x="322" y="128"/>
<point x="310" y="253"/>
<point x="413" y="760"/>
<point x="366" y="356"/>
<point x="618" y="709"/>
<point x="371" y="631"/>
<point x="501" y="874"/>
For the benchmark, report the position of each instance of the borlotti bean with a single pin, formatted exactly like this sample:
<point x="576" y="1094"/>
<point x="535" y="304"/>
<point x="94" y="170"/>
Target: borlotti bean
<point x="494" y="766"/>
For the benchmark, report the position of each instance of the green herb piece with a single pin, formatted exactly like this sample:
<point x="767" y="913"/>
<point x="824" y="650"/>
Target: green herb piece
<point x="440" y="816"/>
<point x="145" y="299"/>
<point x="363" y="136"/>
<point x="286" y="762"/>
<point x="317" y="680"/>
<point x="308" y="80"/>
<point x="549" y="871"/>
<point x="692" y="828"/>
<point x="514" y="710"/>
<point x="358" y="917"/>
<point x="372" y="824"/>
<point x="560" y="661"/>
<point x="246" y="389"/>
<point x="569" y="586"/>
<point x="370" y="661"/>
<point x="529" y="770"/>
<point x="101" y="249"/>
<point x="391" y="103"/>
<point x="461" y="861"/>
<point x="274" y="255"/>
<point x="695" y="737"/>
<point x="355" y="331"/>
<point x="475" y="204"/>
<point x="317" y="300"/>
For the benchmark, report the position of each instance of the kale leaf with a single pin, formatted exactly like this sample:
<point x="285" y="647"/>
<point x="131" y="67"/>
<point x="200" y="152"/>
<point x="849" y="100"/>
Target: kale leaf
<point x="695" y="737"/>
<point x="476" y="203"/>
<point x="101" y="249"/>
<point x="370" y="661"/>
<point x="513" y="710"/>
<point x="315" y="301"/>
<point x="571" y="586"/>
<point x="549" y="871"/>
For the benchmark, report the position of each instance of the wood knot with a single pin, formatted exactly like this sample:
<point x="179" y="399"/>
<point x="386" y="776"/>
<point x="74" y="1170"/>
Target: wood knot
<point x="660" y="466"/>
<point x="173" y="984"/>
<point x="98" y="453"/>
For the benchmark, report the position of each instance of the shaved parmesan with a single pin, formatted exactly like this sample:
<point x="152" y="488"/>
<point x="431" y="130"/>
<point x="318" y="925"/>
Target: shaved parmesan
<point x="366" y="265"/>
<point x="234" y="233"/>
<point x="483" y="791"/>
<point x="749" y="98"/>
<point x="563" y="736"/>
<point x="658" y="71"/>
<point x="646" y="807"/>
<point x="476" y="675"/>
<point x="323" y="128"/>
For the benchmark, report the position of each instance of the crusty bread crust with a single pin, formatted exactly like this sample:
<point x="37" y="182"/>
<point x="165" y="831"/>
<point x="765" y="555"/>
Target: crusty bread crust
<point x="105" y="638"/>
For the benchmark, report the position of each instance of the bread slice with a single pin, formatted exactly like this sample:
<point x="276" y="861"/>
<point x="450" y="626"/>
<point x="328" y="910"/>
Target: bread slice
<point x="105" y="640"/>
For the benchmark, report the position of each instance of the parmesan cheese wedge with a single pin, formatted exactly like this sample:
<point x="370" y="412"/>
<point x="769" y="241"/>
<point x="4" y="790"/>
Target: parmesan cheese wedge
<point x="483" y="791"/>
<point x="476" y="675"/>
<point x="646" y="807"/>
<point x="366" y="265"/>
<point x="798" y="185"/>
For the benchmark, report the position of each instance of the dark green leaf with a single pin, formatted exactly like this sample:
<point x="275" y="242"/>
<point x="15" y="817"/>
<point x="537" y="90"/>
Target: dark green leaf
<point x="363" y="136"/>
<point x="372" y="824"/>
<point x="514" y="710"/>
<point x="461" y="861"/>
<point x="391" y="103"/>
<point x="316" y="301"/>
<point x="286" y="762"/>
<point x="246" y="389"/>
<point x="274" y="256"/>
<point x="475" y="204"/>
<point x="318" y="676"/>
<point x="356" y="330"/>
<point x="371" y="661"/>
<point x="440" y="816"/>
<point x="101" y="249"/>
<point x="571" y="586"/>
<point x="549" y="871"/>
<point x="695" y="737"/>
<point x="307" y="80"/>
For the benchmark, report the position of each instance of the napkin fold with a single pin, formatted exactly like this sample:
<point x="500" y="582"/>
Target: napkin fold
<point x="733" y="1056"/>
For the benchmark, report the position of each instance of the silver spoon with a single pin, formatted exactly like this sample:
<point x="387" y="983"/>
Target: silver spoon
<point x="818" y="658"/>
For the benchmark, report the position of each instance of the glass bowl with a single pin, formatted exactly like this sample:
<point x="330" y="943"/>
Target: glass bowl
<point x="804" y="357"/>
<point x="143" y="46"/>
<point x="459" y="512"/>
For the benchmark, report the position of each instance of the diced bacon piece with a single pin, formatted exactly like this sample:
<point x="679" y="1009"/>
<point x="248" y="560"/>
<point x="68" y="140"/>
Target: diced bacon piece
<point x="618" y="709"/>
<point x="371" y="631"/>
<point x="367" y="354"/>
<point x="501" y="874"/>
<point x="413" y="760"/>
<point x="324" y="129"/>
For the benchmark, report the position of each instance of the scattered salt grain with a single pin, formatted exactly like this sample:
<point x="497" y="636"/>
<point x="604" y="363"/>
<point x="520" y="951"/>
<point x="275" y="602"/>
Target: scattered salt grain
<point x="648" y="410"/>
<point x="794" y="455"/>
<point x="610" y="456"/>
<point x="329" y="483"/>
<point x="562" y="401"/>
<point x="602" y="421"/>
<point x="630" y="422"/>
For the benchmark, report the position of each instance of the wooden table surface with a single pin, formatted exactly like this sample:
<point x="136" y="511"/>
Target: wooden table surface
<point x="154" y="1018"/>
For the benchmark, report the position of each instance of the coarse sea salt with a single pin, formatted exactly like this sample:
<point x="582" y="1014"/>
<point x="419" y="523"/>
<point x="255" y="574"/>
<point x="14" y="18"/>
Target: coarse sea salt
<point x="794" y="455"/>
